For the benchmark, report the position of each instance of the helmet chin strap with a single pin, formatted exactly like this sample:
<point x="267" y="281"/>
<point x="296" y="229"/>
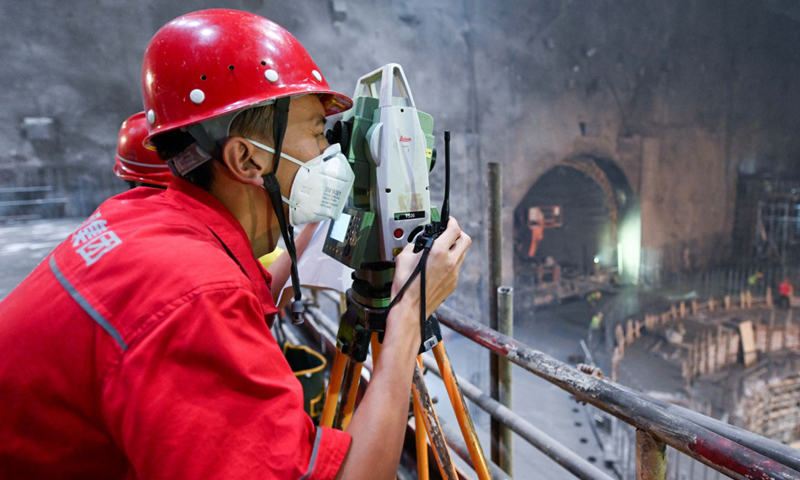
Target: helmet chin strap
<point x="273" y="188"/>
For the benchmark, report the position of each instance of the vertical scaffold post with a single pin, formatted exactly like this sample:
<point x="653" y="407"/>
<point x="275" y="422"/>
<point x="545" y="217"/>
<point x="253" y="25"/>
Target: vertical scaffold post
<point x="505" y="307"/>
<point x="651" y="457"/>
<point x="495" y="278"/>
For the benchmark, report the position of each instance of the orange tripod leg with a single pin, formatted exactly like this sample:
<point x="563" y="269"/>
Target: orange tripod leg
<point x="334" y="389"/>
<point x="422" y="439"/>
<point x="376" y="348"/>
<point x="460" y="408"/>
<point x="352" y="379"/>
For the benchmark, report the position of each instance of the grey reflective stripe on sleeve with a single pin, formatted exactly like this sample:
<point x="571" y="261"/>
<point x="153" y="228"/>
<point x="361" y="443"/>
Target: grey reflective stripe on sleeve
<point x="99" y="319"/>
<point x="313" y="455"/>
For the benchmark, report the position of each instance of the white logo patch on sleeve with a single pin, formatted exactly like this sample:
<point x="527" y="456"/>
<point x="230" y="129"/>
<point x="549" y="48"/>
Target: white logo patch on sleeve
<point x="94" y="239"/>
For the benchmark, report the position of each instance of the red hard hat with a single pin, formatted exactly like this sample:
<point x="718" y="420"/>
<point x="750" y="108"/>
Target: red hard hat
<point x="134" y="161"/>
<point x="212" y="62"/>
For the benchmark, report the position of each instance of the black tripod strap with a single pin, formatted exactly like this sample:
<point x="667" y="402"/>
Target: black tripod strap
<point x="423" y="293"/>
<point x="419" y="270"/>
<point x="273" y="188"/>
<point x="408" y="282"/>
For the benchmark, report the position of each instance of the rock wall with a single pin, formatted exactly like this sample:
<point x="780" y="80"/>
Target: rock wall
<point x="680" y="94"/>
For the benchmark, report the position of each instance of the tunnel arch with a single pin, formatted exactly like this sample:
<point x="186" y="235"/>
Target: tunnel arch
<point x="590" y="167"/>
<point x="596" y="194"/>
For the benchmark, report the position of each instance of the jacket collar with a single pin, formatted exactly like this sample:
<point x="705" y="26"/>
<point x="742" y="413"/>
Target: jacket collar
<point x="221" y="222"/>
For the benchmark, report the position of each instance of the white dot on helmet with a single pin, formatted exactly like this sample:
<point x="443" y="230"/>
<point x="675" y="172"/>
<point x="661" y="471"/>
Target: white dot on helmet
<point x="197" y="96"/>
<point x="317" y="75"/>
<point x="271" y="75"/>
<point x="151" y="116"/>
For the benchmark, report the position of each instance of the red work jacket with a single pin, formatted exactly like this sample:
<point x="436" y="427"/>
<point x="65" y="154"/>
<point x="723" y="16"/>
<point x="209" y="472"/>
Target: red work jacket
<point x="140" y="348"/>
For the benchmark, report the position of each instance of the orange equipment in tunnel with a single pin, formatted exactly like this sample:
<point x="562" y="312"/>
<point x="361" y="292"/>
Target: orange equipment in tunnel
<point x="539" y="218"/>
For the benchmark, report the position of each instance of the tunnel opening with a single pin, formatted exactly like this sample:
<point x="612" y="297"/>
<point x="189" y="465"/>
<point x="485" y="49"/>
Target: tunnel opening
<point x="579" y="220"/>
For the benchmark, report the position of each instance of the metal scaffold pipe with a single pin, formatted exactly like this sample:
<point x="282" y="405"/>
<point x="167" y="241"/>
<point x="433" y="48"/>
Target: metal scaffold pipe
<point x="651" y="457"/>
<point x="495" y="244"/>
<point x="505" y="310"/>
<point x="769" y="448"/>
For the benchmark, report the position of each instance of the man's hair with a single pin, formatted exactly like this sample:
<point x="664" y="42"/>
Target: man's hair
<point x="252" y="123"/>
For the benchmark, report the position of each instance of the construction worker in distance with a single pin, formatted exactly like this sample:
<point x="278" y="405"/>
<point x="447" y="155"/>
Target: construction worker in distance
<point x="140" y="347"/>
<point x="754" y="280"/>
<point x="785" y="291"/>
<point x="595" y="331"/>
<point x="594" y="297"/>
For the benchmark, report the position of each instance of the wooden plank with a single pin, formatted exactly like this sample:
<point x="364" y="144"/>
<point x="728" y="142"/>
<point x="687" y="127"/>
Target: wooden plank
<point x="747" y="334"/>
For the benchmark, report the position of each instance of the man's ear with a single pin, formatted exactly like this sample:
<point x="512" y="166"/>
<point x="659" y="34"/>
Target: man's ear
<point x="245" y="162"/>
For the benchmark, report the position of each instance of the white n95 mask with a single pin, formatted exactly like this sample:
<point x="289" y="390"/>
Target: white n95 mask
<point x="321" y="186"/>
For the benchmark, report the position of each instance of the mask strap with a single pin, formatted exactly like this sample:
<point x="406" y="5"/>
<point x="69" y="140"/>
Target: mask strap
<point x="289" y="202"/>
<point x="273" y="189"/>
<point x="272" y="150"/>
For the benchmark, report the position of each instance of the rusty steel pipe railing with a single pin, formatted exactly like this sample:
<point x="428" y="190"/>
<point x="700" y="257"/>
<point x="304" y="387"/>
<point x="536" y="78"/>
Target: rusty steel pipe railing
<point x="551" y="447"/>
<point x="769" y="448"/>
<point x="712" y="449"/>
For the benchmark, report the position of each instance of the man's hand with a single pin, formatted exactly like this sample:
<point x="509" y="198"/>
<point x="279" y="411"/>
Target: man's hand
<point x="443" y="267"/>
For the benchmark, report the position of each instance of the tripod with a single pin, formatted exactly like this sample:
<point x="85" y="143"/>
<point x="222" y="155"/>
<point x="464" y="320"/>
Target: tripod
<point x="362" y="325"/>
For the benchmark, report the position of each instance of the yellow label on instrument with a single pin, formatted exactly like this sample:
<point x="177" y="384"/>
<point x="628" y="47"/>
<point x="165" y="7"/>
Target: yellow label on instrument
<point x="429" y="153"/>
<point x="396" y="251"/>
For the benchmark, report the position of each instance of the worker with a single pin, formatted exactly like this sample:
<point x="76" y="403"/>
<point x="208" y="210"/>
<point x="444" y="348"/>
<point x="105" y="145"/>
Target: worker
<point x="754" y="281"/>
<point x="597" y="319"/>
<point x="595" y="330"/>
<point x="785" y="291"/>
<point x="140" y="347"/>
<point x="134" y="162"/>
<point x="536" y="226"/>
<point x="594" y="297"/>
<point x="141" y="166"/>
